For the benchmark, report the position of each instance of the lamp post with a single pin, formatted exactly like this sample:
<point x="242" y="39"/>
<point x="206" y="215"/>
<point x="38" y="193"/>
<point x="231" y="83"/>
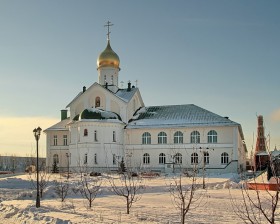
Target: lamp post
<point x="37" y="133"/>
<point x="203" y="168"/>
<point x="67" y="155"/>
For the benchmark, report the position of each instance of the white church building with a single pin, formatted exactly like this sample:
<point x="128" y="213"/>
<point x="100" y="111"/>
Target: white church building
<point x="107" y="124"/>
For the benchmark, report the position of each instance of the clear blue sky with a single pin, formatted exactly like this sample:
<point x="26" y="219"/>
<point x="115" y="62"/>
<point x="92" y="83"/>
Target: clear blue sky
<point x="220" y="55"/>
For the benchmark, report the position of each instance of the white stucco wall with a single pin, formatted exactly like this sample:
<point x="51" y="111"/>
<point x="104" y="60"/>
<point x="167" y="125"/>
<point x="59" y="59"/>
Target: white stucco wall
<point x="227" y="142"/>
<point x="104" y="147"/>
<point x="60" y="149"/>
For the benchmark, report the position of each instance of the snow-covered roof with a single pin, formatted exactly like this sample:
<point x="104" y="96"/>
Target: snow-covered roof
<point x="275" y="152"/>
<point x="122" y="94"/>
<point x="262" y="153"/>
<point x="125" y="95"/>
<point x="177" y="115"/>
<point x="98" y="114"/>
<point x="60" y="126"/>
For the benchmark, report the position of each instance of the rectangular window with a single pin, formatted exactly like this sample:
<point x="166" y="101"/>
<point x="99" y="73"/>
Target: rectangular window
<point x="55" y="140"/>
<point x="114" y="136"/>
<point x="114" y="159"/>
<point x="85" y="159"/>
<point x="95" y="158"/>
<point x="95" y="136"/>
<point x="64" y="139"/>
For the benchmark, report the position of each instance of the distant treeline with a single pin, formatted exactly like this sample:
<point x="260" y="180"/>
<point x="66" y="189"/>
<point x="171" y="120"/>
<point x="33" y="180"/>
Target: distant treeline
<point x="17" y="163"/>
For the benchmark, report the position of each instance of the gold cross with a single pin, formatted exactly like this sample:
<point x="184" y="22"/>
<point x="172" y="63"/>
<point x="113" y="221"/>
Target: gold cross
<point x="108" y="24"/>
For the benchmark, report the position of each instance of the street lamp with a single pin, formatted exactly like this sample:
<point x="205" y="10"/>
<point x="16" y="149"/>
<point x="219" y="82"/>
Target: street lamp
<point x="67" y="155"/>
<point x="203" y="168"/>
<point x="37" y="133"/>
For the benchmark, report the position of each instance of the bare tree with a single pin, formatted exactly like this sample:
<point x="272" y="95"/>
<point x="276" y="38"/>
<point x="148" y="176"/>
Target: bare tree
<point x="62" y="188"/>
<point x="89" y="187"/>
<point x="128" y="185"/>
<point x="186" y="196"/>
<point x="260" y="204"/>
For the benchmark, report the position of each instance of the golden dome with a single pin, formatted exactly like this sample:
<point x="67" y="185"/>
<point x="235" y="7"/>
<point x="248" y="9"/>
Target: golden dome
<point x="108" y="58"/>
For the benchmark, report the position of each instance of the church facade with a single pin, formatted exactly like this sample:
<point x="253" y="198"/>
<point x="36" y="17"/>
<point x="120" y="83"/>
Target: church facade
<point x="108" y="124"/>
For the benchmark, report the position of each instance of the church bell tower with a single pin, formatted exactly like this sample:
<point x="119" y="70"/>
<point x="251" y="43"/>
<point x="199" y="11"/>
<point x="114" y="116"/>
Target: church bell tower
<point x="261" y="157"/>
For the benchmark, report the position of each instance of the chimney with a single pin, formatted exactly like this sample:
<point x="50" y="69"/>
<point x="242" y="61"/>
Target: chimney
<point x="84" y="89"/>
<point x="63" y="114"/>
<point x="128" y="86"/>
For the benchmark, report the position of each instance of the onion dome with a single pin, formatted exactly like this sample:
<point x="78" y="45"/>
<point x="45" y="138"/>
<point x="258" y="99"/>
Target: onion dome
<point x="98" y="114"/>
<point x="108" y="58"/>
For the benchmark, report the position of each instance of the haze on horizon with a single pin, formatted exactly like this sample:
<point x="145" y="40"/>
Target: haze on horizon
<point x="220" y="55"/>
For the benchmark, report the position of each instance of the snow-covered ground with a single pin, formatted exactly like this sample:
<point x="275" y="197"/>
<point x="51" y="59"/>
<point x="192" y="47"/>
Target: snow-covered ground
<point x="18" y="203"/>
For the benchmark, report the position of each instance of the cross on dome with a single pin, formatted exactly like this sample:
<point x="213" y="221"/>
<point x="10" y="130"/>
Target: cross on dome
<point x="108" y="24"/>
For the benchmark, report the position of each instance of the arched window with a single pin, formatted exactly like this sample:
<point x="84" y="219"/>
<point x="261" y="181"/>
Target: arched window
<point x="146" y="158"/>
<point x="206" y="157"/>
<point x="146" y="138"/>
<point x="85" y="132"/>
<point x="162" y="138"/>
<point x="97" y="101"/>
<point x="194" y="158"/>
<point x="86" y="159"/>
<point x="178" y="137"/>
<point x="212" y="136"/>
<point x="195" y="137"/>
<point x="178" y="158"/>
<point x="55" y="159"/>
<point x="161" y="158"/>
<point x="224" y="158"/>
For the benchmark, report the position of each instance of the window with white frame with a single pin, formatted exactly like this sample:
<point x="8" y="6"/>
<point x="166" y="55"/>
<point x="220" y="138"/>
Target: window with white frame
<point x="55" y="140"/>
<point x="95" y="136"/>
<point x="114" y="159"/>
<point x="224" y="158"/>
<point x="178" y="137"/>
<point x="97" y="101"/>
<point x="212" y="136"/>
<point x="146" y="158"/>
<point x="86" y="158"/>
<point x="194" y="158"/>
<point x="206" y="157"/>
<point x="85" y="132"/>
<point x="195" y="137"/>
<point x="95" y="158"/>
<point x="55" y="159"/>
<point x="146" y="138"/>
<point x="114" y="136"/>
<point x="178" y="158"/>
<point x="162" y="138"/>
<point x="64" y="139"/>
<point x="162" y="158"/>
